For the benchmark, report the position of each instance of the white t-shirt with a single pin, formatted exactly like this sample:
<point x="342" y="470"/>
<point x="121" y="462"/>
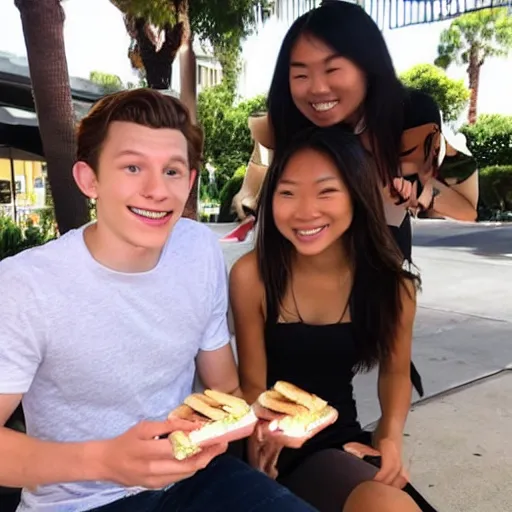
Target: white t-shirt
<point x="96" y="351"/>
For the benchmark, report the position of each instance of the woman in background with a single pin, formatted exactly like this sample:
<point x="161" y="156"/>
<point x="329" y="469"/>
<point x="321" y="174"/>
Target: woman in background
<point x="334" y="67"/>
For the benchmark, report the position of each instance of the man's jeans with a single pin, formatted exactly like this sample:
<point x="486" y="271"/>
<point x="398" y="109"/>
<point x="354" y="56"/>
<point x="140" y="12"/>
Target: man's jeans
<point x="227" y="484"/>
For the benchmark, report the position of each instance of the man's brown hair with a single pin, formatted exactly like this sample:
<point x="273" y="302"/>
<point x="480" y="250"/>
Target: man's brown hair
<point x="141" y="106"/>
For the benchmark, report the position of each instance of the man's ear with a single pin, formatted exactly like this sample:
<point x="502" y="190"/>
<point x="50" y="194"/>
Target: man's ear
<point x="192" y="178"/>
<point x="86" y="179"/>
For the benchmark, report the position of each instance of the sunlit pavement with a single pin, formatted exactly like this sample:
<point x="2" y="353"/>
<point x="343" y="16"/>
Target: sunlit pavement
<point x="459" y="446"/>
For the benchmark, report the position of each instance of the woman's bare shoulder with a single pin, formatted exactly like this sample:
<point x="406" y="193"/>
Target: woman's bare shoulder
<point x="245" y="273"/>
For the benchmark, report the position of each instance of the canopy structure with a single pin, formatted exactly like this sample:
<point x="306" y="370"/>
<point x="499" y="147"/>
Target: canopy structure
<point x="397" y="13"/>
<point x="16" y="88"/>
<point x="22" y="169"/>
<point x="403" y="13"/>
<point x="18" y="121"/>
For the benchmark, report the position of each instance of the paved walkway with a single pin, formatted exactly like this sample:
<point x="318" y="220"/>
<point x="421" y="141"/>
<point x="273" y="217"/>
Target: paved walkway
<point x="459" y="448"/>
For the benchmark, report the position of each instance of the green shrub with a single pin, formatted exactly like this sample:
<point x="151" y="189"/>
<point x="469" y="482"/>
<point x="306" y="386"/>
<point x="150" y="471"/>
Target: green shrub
<point x="229" y="190"/>
<point x="450" y="95"/>
<point x="228" y="144"/>
<point x="490" y="140"/>
<point x="13" y="239"/>
<point x="496" y="187"/>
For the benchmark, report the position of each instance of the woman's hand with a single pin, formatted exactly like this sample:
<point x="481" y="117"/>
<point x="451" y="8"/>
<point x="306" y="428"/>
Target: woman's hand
<point x="391" y="472"/>
<point x="263" y="453"/>
<point x="272" y="437"/>
<point x="265" y="445"/>
<point x="407" y="191"/>
<point x="277" y="437"/>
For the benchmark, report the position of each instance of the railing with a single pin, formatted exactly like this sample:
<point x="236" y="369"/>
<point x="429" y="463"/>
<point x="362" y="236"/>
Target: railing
<point x="404" y="13"/>
<point x="396" y="13"/>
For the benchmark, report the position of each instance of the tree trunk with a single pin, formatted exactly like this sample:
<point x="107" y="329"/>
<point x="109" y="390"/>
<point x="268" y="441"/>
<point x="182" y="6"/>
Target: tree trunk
<point x="474" y="81"/>
<point x="158" y="63"/>
<point x="188" y="93"/>
<point x="43" y="22"/>
<point x="188" y="79"/>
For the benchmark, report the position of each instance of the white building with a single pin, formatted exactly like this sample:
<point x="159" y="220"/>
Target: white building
<point x="208" y="70"/>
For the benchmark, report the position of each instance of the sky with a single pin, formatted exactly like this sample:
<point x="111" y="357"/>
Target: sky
<point x="96" y="39"/>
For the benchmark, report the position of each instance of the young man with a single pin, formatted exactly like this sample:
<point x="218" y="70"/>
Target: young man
<point x="104" y="328"/>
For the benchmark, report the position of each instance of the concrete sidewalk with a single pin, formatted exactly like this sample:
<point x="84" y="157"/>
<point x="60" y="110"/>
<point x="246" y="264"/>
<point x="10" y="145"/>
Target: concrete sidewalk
<point x="458" y="448"/>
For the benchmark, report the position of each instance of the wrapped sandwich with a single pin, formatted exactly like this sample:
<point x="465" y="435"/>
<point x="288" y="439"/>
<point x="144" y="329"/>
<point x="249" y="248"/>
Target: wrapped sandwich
<point x="302" y="412"/>
<point x="224" y="418"/>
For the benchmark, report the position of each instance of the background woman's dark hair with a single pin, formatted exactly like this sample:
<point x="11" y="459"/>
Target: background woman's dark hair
<point x="376" y="259"/>
<point x="422" y="109"/>
<point x="352" y="34"/>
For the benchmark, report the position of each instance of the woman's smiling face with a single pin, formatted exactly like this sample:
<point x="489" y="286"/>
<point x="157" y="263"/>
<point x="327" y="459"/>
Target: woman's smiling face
<point x="311" y="205"/>
<point x="325" y="87"/>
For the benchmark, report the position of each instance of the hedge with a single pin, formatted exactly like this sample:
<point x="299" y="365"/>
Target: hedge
<point x="496" y="187"/>
<point x="490" y="140"/>
<point x="229" y="190"/>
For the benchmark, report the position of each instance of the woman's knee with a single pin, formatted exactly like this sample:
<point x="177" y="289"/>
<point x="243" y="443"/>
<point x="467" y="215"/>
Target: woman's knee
<point x="376" y="497"/>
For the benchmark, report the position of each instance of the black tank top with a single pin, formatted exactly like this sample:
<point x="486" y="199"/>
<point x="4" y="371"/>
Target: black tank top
<point x="319" y="359"/>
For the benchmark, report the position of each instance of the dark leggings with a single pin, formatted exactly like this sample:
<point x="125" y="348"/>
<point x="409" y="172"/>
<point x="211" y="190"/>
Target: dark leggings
<point x="326" y="479"/>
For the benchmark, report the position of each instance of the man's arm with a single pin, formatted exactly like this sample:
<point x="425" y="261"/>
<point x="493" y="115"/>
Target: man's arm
<point x="217" y="370"/>
<point x="24" y="460"/>
<point x="139" y="457"/>
<point x="215" y="362"/>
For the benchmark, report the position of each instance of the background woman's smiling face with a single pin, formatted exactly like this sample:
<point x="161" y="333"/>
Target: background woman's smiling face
<point x="326" y="88"/>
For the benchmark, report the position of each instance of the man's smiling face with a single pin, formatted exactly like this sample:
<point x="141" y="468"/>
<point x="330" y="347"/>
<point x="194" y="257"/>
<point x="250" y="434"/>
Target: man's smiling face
<point x="141" y="184"/>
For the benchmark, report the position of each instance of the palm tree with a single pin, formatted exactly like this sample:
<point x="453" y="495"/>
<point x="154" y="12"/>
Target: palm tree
<point x="470" y="40"/>
<point x="43" y="22"/>
<point x="156" y="31"/>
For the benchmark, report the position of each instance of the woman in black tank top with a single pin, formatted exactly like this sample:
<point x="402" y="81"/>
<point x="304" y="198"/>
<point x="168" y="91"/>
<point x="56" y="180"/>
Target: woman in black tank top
<point x="323" y="296"/>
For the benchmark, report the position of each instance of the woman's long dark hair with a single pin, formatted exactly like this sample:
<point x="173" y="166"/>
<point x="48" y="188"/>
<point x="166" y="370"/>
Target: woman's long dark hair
<point x="352" y="34"/>
<point x="374" y="255"/>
